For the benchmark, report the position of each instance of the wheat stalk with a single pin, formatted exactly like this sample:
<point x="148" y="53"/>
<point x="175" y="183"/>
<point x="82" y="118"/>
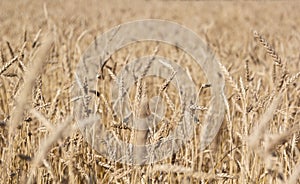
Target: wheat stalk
<point x="30" y="76"/>
<point x="8" y="64"/>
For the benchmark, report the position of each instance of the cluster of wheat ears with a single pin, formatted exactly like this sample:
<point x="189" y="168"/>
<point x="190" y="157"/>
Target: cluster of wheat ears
<point x="40" y="142"/>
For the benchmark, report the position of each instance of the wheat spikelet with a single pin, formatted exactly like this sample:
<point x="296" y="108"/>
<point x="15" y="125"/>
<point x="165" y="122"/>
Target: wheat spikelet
<point x="247" y="71"/>
<point x="2" y="56"/>
<point x="112" y="75"/>
<point x="21" y="57"/>
<point x="17" y="58"/>
<point x="140" y="136"/>
<point x="67" y="63"/>
<point x="274" y="73"/>
<point x="147" y="68"/>
<point x="36" y="39"/>
<point x="139" y="94"/>
<point x="283" y="77"/>
<point x="54" y="105"/>
<point x="105" y="165"/>
<point x="11" y="51"/>
<point x="268" y="48"/>
<point x="293" y="79"/>
<point x="8" y="64"/>
<point x="30" y="76"/>
<point x="106" y="104"/>
<point x="229" y="78"/>
<point x="164" y="86"/>
<point x="38" y="97"/>
<point x="84" y="94"/>
<point x="171" y="105"/>
<point x="261" y="128"/>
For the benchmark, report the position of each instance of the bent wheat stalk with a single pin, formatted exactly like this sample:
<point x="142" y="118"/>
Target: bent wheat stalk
<point x="24" y="92"/>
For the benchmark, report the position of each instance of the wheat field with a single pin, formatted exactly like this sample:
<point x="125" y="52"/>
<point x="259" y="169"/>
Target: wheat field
<point x="257" y="44"/>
